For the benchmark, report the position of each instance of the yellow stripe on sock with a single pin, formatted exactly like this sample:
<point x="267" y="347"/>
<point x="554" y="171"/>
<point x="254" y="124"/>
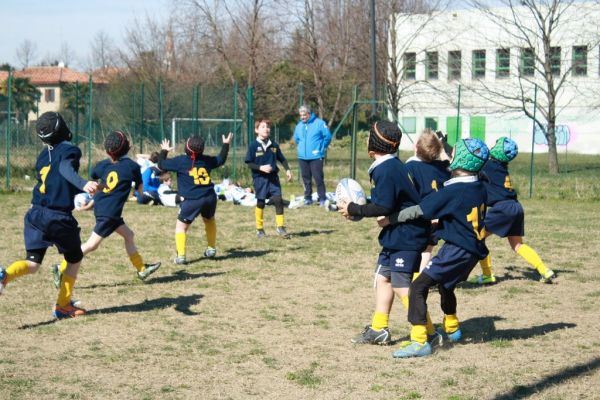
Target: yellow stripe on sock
<point x="210" y="227"/>
<point x="279" y="220"/>
<point x="16" y="269"/>
<point x="180" y="239"/>
<point x="66" y="290"/>
<point x="532" y="258"/>
<point x="380" y="320"/>
<point x="451" y="323"/>
<point x="259" y="216"/>
<point x="418" y="333"/>
<point x="486" y="265"/>
<point x="137" y="261"/>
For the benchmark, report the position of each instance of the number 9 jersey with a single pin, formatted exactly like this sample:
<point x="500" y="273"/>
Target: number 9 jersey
<point x="116" y="178"/>
<point x="193" y="181"/>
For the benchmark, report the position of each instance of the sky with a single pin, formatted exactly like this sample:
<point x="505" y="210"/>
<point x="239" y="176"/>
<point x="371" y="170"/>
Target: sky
<point x="49" y="23"/>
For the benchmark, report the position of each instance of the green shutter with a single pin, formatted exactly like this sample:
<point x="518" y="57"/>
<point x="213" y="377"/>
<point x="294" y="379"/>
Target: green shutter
<point x="454" y="135"/>
<point x="431" y="123"/>
<point x="477" y="127"/>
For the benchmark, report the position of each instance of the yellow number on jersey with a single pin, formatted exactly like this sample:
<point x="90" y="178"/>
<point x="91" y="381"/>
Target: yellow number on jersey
<point x="508" y="183"/>
<point x="200" y="176"/>
<point x="434" y="185"/>
<point x="43" y="174"/>
<point x="473" y="218"/>
<point x="111" y="181"/>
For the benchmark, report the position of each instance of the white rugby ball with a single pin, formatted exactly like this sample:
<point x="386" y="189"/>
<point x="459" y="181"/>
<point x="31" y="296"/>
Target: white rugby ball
<point x="350" y="191"/>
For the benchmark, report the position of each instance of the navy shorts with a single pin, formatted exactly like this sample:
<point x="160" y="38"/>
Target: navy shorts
<point x="505" y="218"/>
<point x="45" y="227"/>
<point x="267" y="186"/>
<point x="189" y="209"/>
<point x="107" y="225"/>
<point x="451" y="265"/>
<point x="392" y="264"/>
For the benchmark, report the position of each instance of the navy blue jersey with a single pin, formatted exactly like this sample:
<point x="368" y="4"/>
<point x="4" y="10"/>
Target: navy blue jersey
<point x="393" y="189"/>
<point x="193" y="182"/>
<point x="53" y="190"/>
<point x="117" y="177"/>
<point x="260" y="154"/>
<point x="428" y="177"/>
<point x="499" y="186"/>
<point x="460" y="207"/>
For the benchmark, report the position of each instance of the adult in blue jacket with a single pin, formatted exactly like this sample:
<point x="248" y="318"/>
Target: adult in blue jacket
<point x="312" y="136"/>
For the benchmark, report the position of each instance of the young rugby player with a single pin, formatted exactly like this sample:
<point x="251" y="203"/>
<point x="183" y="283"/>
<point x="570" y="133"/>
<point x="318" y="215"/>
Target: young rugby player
<point x="261" y="158"/>
<point x="197" y="189"/>
<point x="116" y="174"/>
<point x="505" y="216"/>
<point x="402" y="244"/>
<point x="49" y="220"/>
<point x="460" y="207"/>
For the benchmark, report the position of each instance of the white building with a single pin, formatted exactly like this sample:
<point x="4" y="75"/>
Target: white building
<point x="491" y="62"/>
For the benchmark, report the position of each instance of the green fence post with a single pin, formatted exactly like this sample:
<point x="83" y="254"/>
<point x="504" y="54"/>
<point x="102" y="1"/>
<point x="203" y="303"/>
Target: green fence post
<point x="532" y="142"/>
<point x="8" y="120"/>
<point x="235" y="132"/>
<point x="161" y="114"/>
<point x="195" y="109"/>
<point x="250" y="113"/>
<point x="354" y="128"/>
<point x="90" y="127"/>
<point x="142" y="124"/>
<point x="76" y="138"/>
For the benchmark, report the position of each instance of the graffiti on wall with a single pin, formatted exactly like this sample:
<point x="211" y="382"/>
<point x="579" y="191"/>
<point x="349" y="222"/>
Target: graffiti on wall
<point x="563" y="135"/>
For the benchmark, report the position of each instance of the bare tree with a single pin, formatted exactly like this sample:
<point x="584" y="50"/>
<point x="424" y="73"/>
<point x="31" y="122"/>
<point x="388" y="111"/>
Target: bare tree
<point x="537" y="29"/>
<point x="26" y="53"/>
<point x="103" y="52"/>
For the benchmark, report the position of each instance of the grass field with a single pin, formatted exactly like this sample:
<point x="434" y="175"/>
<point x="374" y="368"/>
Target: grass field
<point x="273" y="319"/>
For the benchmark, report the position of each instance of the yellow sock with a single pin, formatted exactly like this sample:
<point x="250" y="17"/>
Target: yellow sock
<point x="63" y="266"/>
<point x="137" y="261"/>
<point x="259" y="216"/>
<point x="210" y="227"/>
<point x="180" y="239"/>
<point x="16" y="269"/>
<point x="450" y="323"/>
<point x="486" y="265"/>
<point x="279" y="220"/>
<point x="66" y="290"/>
<point x="418" y="333"/>
<point x="380" y="320"/>
<point x="532" y="258"/>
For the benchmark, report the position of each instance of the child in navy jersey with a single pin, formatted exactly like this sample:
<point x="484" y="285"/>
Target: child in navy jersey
<point x="116" y="175"/>
<point x="196" y="187"/>
<point x="505" y="216"/>
<point x="402" y="244"/>
<point x="49" y="221"/>
<point x="460" y="207"/>
<point x="261" y="158"/>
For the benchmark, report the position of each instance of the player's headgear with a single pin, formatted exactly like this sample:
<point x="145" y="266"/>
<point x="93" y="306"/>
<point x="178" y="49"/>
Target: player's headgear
<point x="52" y="128"/>
<point x="384" y="137"/>
<point x="505" y="149"/>
<point x="194" y="147"/>
<point x="470" y="155"/>
<point x="116" y="144"/>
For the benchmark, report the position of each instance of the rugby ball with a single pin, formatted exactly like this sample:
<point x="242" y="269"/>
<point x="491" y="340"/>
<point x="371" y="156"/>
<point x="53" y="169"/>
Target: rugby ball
<point x="350" y="191"/>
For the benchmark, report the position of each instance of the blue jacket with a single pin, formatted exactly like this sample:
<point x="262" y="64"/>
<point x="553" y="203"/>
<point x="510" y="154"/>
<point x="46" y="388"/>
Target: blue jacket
<point x="150" y="180"/>
<point x="312" y="138"/>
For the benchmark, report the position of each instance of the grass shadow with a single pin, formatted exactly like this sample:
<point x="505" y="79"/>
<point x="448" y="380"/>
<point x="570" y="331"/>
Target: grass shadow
<point x="558" y="378"/>
<point x="313" y="232"/>
<point x="182" y="304"/>
<point x="177" y="276"/>
<point x="483" y="329"/>
<point x="241" y="253"/>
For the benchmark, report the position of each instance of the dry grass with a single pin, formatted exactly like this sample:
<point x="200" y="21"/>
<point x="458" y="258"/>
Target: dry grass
<point x="272" y="319"/>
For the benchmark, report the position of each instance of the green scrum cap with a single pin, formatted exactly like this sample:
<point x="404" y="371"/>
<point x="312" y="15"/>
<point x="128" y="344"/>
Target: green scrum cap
<point x="470" y="155"/>
<point x="505" y="150"/>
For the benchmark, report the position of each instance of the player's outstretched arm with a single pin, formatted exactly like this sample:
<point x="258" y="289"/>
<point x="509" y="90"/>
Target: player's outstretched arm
<point x="166" y="145"/>
<point x="227" y="140"/>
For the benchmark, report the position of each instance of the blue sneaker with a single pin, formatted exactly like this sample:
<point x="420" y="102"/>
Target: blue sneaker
<point x="413" y="349"/>
<point x="3" y="279"/>
<point x="453" y="337"/>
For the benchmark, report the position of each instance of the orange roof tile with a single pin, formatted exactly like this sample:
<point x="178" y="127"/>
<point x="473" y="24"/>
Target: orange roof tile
<point x="53" y="75"/>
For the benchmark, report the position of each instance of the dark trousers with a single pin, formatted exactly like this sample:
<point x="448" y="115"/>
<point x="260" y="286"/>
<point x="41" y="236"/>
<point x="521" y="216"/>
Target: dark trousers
<point x="312" y="169"/>
<point x="417" y="300"/>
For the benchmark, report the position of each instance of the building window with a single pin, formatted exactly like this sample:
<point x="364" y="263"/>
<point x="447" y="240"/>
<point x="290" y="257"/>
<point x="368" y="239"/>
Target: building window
<point x="410" y="66"/>
<point x="527" y="62"/>
<point x="409" y="124"/>
<point x="431" y="123"/>
<point x="502" y="63"/>
<point x="579" y="60"/>
<point x="555" y="60"/>
<point x="478" y="64"/>
<point x="431" y="65"/>
<point x="49" y="95"/>
<point x="454" y="65"/>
